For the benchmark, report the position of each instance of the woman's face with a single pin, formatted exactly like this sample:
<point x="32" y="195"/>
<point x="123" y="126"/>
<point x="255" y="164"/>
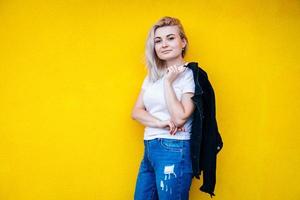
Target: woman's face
<point x="167" y="43"/>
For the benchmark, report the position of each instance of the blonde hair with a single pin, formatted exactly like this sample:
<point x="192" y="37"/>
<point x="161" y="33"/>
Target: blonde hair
<point x="156" y="67"/>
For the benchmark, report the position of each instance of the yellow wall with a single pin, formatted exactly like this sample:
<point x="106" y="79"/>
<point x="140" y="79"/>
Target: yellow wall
<point x="70" y="72"/>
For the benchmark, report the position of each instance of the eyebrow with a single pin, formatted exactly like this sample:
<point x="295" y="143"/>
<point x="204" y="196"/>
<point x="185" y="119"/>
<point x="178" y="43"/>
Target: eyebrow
<point x="167" y="35"/>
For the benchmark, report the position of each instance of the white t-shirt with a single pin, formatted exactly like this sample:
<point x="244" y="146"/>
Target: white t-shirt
<point x="155" y="104"/>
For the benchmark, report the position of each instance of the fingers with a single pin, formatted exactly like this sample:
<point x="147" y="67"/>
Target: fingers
<point x="170" y="69"/>
<point x="176" y="69"/>
<point x="178" y="129"/>
<point x="181" y="68"/>
<point x="173" y="128"/>
<point x="181" y="129"/>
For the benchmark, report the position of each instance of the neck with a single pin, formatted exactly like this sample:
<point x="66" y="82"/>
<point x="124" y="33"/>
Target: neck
<point x="178" y="61"/>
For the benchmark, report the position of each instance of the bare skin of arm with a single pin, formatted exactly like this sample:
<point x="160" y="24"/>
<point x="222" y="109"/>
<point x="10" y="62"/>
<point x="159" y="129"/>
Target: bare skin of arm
<point x="140" y="114"/>
<point x="179" y="110"/>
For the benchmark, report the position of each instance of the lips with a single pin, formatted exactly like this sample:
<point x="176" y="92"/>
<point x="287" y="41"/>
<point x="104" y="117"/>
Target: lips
<point x="166" y="51"/>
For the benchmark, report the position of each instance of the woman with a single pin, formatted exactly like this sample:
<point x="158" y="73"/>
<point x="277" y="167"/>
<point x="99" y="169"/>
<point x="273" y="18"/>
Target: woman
<point x="165" y="107"/>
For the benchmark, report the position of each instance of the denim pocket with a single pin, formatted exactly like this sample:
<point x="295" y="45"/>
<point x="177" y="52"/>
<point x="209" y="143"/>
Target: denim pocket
<point x="171" y="144"/>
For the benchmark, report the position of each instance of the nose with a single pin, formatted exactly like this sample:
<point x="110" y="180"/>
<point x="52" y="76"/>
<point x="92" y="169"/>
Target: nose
<point x="164" y="43"/>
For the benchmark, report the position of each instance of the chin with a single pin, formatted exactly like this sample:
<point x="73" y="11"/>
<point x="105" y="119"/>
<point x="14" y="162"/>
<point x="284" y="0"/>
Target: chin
<point x="167" y="57"/>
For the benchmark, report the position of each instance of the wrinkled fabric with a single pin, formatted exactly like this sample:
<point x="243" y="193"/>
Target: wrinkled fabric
<point x="165" y="171"/>
<point x="206" y="140"/>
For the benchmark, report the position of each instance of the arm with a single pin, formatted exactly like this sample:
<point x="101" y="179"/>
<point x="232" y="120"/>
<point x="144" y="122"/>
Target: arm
<point x="179" y="111"/>
<point x="140" y="114"/>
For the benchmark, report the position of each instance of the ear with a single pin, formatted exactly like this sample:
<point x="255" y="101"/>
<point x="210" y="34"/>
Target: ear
<point x="183" y="42"/>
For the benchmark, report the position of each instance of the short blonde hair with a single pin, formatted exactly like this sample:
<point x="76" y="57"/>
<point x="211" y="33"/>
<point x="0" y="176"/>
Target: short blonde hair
<point x="156" y="66"/>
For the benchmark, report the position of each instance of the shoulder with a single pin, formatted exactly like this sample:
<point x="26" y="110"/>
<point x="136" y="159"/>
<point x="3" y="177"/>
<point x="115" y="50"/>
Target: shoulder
<point x="146" y="82"/>
<point x="188" y="73"/>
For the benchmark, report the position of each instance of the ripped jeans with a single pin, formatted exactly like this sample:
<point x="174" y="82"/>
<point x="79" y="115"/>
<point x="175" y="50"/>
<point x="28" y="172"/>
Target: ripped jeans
<point x="165" y="171"/>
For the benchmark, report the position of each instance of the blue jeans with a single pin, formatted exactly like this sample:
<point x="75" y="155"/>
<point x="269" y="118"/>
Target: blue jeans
<point x="165" y="171"/>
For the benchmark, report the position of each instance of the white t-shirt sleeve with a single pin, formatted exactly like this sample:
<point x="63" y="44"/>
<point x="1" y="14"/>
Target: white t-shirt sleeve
<point x="145" y="82"/>
<point x="188" y="82"/>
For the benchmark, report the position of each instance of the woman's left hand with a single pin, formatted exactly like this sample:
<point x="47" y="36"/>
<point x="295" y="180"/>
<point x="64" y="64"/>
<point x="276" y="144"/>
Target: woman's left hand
<point x="173" y="72"/>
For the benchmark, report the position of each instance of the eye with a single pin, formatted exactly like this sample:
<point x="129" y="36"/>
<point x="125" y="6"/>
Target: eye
<point x="171" y="38"/>
<point x="156" y="41"/>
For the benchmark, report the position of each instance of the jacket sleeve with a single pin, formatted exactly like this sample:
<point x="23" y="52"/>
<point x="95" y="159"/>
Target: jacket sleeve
<point x="212" y="140"/>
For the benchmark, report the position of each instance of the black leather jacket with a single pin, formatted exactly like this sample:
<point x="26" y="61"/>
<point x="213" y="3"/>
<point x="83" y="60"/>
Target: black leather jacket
<point x="205" y="140"/>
